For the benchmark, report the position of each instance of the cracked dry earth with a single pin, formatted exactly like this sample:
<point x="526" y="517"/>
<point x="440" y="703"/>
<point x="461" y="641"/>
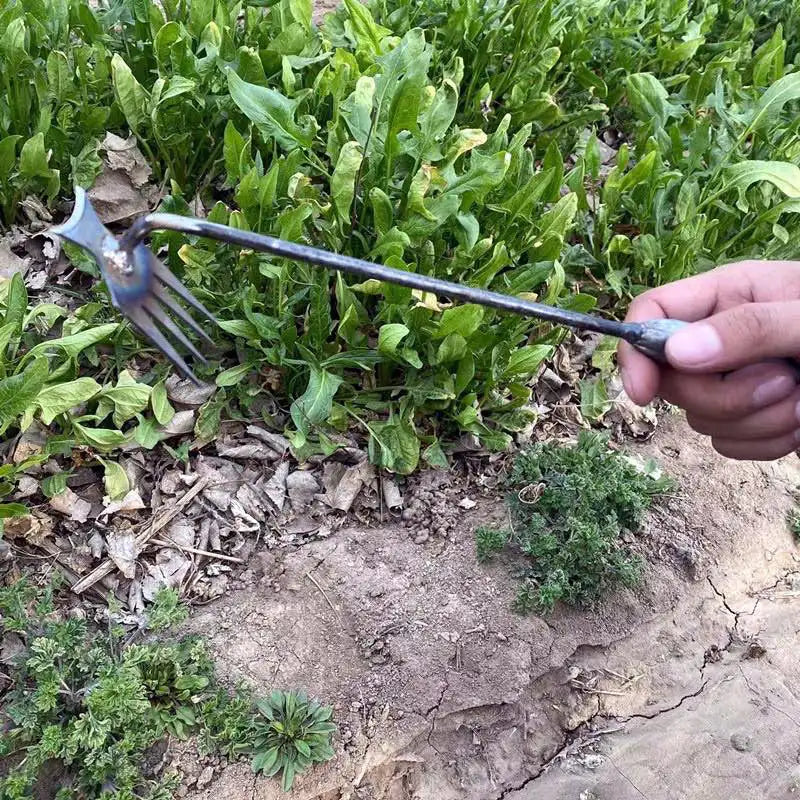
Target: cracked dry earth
<point x="684" y="688"/>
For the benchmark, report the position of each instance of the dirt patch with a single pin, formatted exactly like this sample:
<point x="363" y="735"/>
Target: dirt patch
<point x="442" y="692"/>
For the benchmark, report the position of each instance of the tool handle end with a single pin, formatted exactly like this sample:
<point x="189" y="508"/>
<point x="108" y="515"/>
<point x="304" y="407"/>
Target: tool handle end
<point x="651" y="337"/>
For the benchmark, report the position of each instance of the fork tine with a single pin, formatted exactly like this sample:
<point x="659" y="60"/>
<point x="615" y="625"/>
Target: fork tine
<point x="152" y="307"/>
<point x="144" y="322"/>
<point x="160" y="292"/>
<point x="168" y="279"/>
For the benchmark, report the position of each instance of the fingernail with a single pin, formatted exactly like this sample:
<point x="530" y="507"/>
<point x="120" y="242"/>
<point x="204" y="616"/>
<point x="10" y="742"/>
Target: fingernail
<point x="694" y="346"/>
<point x="773" y="390"/>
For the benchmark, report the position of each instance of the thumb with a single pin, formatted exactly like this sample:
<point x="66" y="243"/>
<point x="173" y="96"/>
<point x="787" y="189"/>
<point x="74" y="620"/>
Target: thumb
<point x="739" y="336"/>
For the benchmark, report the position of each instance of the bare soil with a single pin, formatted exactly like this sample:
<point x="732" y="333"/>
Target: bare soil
<point x="684" y="688"/>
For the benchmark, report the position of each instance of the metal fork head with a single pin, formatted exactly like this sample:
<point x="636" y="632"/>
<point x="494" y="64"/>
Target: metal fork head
<point x="139" y="285"/>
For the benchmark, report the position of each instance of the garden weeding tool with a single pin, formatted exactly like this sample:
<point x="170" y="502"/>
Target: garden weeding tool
<point x="139" y="282"/>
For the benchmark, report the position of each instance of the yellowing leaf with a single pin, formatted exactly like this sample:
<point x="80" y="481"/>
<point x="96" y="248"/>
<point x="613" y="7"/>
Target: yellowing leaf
<point x="343" y="179"/>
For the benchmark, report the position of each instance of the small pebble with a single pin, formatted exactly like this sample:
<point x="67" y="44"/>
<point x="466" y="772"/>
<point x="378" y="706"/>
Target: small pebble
<point x="741" y="742"/>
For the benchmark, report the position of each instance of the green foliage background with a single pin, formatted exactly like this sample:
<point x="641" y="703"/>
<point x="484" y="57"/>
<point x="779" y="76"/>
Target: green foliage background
<point x="454" y="138"/>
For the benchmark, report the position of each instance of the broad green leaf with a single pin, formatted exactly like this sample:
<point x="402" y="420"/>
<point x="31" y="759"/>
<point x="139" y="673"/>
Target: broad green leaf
<point x="558" y="220"/>
<point x="462" y="142"/>
<point x="484" y="174"/>
<point x="115" y="480"/>
<point x="382" y="211"/>
<point x="8" y="155"/>
<point x="520" y="203"/>
<point x="272" y="112"/>
<point x="17" y="392"/>
<point x="368" y="33"/>
<point x="461" y="319"/>
<point x="594" y="399"/>
<point x="86" y="166"/>
<point x="233" y="144"/>
<point x="314" y="406"/>
<point x="435" y="121"/>
<point x="128" y="397"/>
<point x="9" y="510"/>
<point x="649" y="99"/>
<point x="176" y="87"/>
<point x="781" y="174"/>
<point x="59" y="78"/>
<point x="100" y="438"/>
<point x="357" y="109"/>
<point x="33" y="159"/>
<point x="159" y="402"/>
<point x="344" y="178"/>
<point x="234" y="375"/>
<point x="240" y="327"/>
<point x="55" y="484"/>
<point x="71" y="346"/>
<point x="301" y="11"/>
<point x="394" y="446"/>
<point x="434" y="456"/>
<point x="61" y="397"/>
<point x="418" y="188"/>
<point x="16" y="306"/>
<point x="131" y="96"/>
<point x="390" y="336"/>
<point x="525" y="360"/>
<point x="146" y="434"/>
<point x="771" y="103"/>
<point x="201" y="12"/>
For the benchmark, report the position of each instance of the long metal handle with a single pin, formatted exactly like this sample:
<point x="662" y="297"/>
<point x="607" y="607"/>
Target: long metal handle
<point x="648" y="337"/>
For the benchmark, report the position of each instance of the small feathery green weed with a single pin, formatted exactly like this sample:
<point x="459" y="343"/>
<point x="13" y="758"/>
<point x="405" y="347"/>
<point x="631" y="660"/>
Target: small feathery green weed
<point x="568" y="508"/>
<point x="94" y="703"/>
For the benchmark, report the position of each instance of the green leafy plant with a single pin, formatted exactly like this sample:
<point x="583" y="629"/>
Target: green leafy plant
<point x="569" y="506"/>
<point x="93" y="703"/>
<point x="291" y="733"/>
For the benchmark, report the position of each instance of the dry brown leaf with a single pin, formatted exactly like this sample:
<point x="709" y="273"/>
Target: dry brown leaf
<point x="343" y="484"/>
<point x="256" y="451"/>
<point x="131" y="502"/>
<point x="10" y="263"/>
<point x="32" y="528"/>
<point x="391" y="494"/>
<point x="181" y="423"/>
<point x="302" y="488"/>
<point x="275" y="487"/>
<point x="70" y="505"/>
<point x="188" y="393"/>
<point x="224" y="478"/>
<point x="277" y="443"/>
<point x="125" y="155"/>
<point x="31" y="443"/>
<point x="637" y="421"/>
<point x="170" y="569"/>
<point x="123" y="550"/>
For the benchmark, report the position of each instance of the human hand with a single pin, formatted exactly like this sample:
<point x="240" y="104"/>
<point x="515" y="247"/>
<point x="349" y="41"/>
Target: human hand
<point x="727" y="370"/>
